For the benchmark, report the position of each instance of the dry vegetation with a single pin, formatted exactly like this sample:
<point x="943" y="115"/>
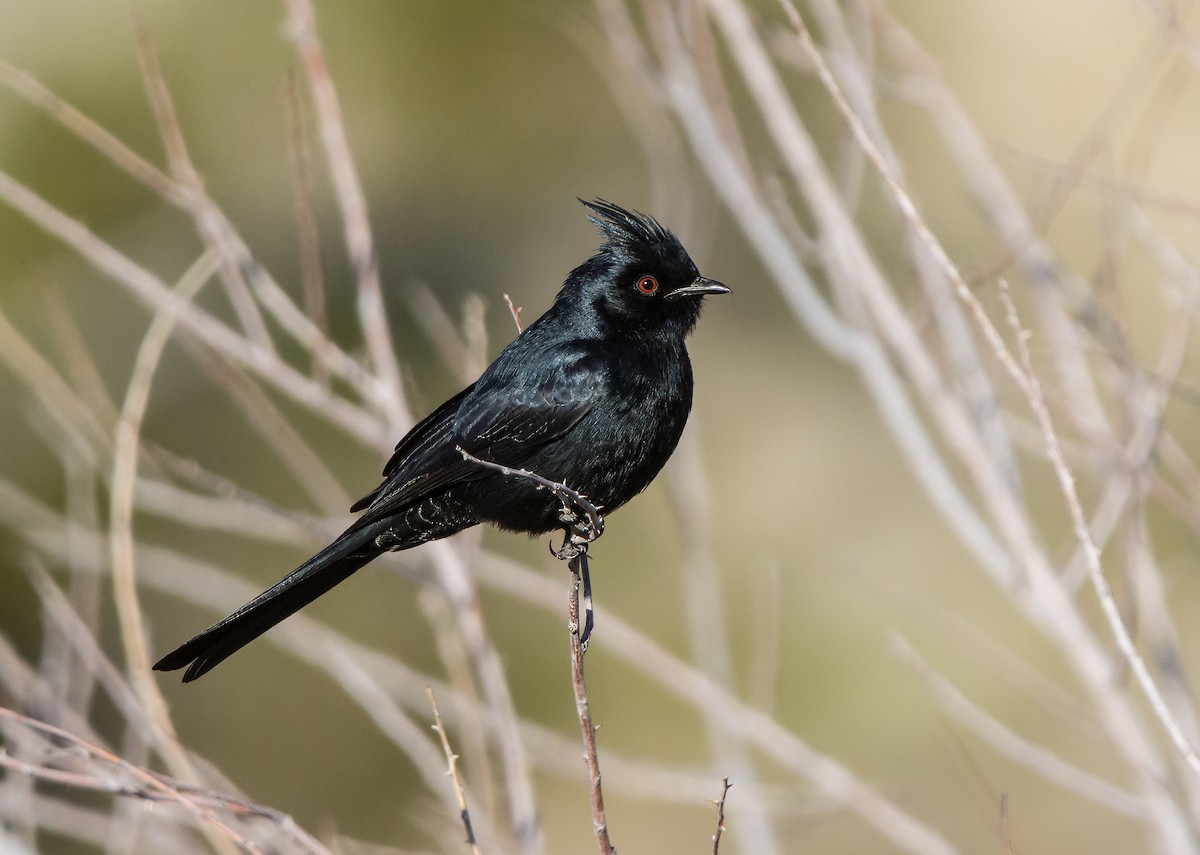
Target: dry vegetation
<point x="993" y="384"/>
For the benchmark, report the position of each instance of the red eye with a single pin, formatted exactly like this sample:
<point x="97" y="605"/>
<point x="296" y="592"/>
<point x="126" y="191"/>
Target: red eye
<point x="647" y="285"/>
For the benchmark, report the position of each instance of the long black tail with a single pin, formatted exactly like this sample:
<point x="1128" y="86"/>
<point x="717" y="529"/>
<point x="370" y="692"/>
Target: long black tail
<point x="333" y="564"/>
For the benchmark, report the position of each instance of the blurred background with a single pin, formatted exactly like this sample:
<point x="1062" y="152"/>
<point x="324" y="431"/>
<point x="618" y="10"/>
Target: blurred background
<point x="791" y="530"/>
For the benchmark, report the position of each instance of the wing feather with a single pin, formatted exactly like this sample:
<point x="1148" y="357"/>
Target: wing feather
<point x="501" y="420"/>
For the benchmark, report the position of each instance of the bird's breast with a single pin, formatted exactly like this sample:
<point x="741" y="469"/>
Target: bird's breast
<point x="630" y="433"/>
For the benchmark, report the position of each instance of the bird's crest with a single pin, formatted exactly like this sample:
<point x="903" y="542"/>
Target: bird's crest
<point x="626" y="229"/>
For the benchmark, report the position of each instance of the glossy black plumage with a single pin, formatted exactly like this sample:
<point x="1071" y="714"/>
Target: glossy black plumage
<point x="594" y="394"/>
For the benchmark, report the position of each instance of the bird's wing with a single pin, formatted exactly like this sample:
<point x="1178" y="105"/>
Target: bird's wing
<point x="500" y="420"/>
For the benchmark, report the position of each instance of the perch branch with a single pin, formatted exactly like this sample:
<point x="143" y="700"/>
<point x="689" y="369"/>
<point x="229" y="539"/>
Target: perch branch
<point x="578" y="565"/>
<point x="581" y="531"/>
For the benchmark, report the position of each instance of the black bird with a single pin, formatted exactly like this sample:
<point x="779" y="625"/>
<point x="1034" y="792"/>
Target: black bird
<point x="594" y="394"/>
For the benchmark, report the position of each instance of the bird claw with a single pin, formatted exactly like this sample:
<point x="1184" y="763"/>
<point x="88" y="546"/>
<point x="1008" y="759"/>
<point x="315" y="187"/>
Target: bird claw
<point x="574" y="544"/>
<point x="584" y="530"/>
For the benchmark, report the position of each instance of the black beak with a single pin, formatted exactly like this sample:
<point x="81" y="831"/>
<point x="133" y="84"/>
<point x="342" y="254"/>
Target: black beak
<point x="699" y="288"/>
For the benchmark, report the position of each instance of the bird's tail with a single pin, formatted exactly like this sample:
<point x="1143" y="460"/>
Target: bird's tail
<point x="333" y="564"/>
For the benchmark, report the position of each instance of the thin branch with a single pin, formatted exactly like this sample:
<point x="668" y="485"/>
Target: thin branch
<point x="208" y="225"/>
<point x="452" y="771"/>
<point x="304" y="209"/>
<point x="124" y="475"/>
<point x="461" y="590"/>
<point x="1036" y="757"/>
<point x="996" y="198"/>
<point x="772" y="243"/>
<point x="472" y="714"/>
<point x="1108" y="603"/>
<point x="589" y="528"/>
<point x="515" y="311"/>
<point x="834" y="780"/>
<point x="28" y="87"/>
<point x="150" y="781"/>
<point x="56" y="397"/>
<point x="193" y="199"/>
<point x="401" y="728"/>
<point x="82" y="639"/>
<point x="286" y="443"/>
<point x="453" y="348"/>
<point x="578" y="565"/>
<point x="149" y="288"/>
<point x="904" y="201"/>
<point x="720" y="804"/>
<point x="1046" y="603"/>
<point x="360" y="244"/>
<point x="124" y="478"/>
<point x="202" y="584"/>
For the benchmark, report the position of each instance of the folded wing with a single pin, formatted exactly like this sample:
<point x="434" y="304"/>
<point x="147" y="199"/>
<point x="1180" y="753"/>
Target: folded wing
<point x="500" y="419"/>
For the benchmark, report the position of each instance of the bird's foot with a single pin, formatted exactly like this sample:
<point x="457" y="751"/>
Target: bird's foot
<point x="575" y="543"/>
<point x="581" y="518"/>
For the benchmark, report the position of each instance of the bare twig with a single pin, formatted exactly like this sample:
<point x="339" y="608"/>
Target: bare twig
<point x="401" y="728"/>
<point x="578" y="565"/>
<point x="1108" y="603"/>
<point x="208" y="222"/>
<point x="152" y="783"/>
<point x="720" y="804"/>
<point x="58" y="399"/>
<point x="28" y="87"/>
<point x="783" y="262"/>
<point x="461" y="591"/>
<point x="352" y="201"/>
<point x="1037" y="757"/>
<point x="153" y="291"/>
<point x="934" y="370"/>
<point x="283" y="439"/>
<point x="588" y="529"/>
<point x="473" y="721"/>
<point x="453" y="346"/>
<point x="191" y="198"/>
<point x="1073" y="636"/>
<point x="203" y="584"/>
<point x="210" y="588"/>
<point x="515" y="311"/>
<point x="833" y="779"/>
<point x="304" y="207"/>
<point x="452" y="771"/>
<point x="125" y="456"/>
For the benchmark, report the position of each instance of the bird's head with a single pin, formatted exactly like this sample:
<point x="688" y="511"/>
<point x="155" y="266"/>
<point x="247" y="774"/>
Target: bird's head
<point x="642" y="279"/>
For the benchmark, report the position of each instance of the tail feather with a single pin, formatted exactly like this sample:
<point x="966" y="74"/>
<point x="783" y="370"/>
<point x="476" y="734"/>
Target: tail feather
<point x="333" y="564"/>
